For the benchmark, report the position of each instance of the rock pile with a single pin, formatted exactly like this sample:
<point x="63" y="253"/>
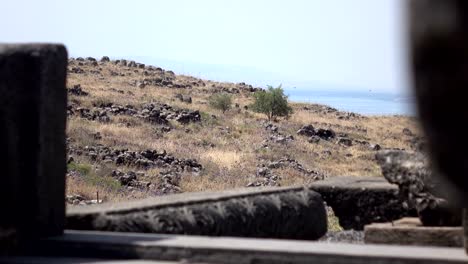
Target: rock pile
<point x="275" y="136"/>
<point x="86" y="113"/>
<point x="151" y="112"/>
<point x="324" y="110"/>
<point x="141" y="159"/>
<point x="266" y="178"/>
<point x="292" y="163"/>
<point x="169" y="183"/>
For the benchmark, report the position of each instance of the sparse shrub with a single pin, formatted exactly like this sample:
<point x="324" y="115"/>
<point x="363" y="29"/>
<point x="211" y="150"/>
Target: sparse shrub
<point x="272" y="102"/>
<point x="221" y="101"/>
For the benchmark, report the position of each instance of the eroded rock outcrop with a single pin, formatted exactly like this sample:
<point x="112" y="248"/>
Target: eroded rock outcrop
<point x="419" y="188"/>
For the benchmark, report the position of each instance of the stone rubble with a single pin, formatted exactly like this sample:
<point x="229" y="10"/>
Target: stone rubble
<point x="140" y="159"/>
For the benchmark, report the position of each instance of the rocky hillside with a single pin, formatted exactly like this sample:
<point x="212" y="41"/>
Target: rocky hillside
<point x="136" y="130"/>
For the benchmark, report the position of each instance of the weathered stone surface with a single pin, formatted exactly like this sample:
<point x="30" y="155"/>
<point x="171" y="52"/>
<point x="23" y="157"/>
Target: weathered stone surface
<point x="419" y="188"/>
<point x="410" y="231"/>
<point x="439" y="45"/>
<point x="32" y="139"/>
<point x="293" y="213"/>
<point x="358" y="201"/>
<point x="77" y="260"/>
<point x="196" y="249"/>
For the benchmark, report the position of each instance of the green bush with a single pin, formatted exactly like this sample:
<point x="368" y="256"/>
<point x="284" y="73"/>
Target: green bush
<point x="221" y="101"/>
<point x="272" y="102"/>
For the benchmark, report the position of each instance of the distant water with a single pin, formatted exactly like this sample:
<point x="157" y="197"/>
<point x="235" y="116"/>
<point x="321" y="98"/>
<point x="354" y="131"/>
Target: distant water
<point x="366" y="103"/>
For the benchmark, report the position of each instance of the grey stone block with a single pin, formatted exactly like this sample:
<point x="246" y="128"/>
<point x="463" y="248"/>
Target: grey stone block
<point x="358" y="201"/>
<point x="293" y="213"/>
<point x="32" y="140"/>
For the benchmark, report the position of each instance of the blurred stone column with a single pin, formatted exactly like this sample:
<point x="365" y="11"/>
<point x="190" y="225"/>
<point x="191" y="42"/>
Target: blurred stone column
<point x="439" y="52"/>
<point x="32" y="142"/>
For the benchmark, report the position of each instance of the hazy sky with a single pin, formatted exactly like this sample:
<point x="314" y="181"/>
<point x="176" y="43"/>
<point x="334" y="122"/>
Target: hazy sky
<point x="345" y="44"/>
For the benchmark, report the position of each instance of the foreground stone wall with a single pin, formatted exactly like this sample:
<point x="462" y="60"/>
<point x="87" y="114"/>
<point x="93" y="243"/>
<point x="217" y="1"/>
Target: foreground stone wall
<point x="293" y="213"/>
<point x="32" y="139"/>
<point x="358" y="201"/>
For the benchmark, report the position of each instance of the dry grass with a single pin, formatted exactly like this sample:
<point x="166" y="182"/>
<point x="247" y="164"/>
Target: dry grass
<point x="229" y="146"/>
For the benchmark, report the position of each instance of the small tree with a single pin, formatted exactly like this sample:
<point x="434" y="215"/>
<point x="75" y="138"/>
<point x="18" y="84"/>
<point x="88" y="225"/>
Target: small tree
<point x="272" y="102"/>
<point x="221" y="101"/>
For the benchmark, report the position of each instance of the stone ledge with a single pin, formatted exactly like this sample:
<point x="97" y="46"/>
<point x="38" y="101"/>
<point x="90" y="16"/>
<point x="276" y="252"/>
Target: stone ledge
<point x="409" y="231"/>
<point x="293" y="213"/>
<point x="234" y="250"/>
<point x="58" y="260"/>
<point x="181" y="199"/>
<point x="358" y="201"/>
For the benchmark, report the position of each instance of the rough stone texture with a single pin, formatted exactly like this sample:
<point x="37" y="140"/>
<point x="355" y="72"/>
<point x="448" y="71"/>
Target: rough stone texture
<point x="410" y="231"/>
<point x="419" y="188"/>
<point x="439" y="42"/>
<point x="78" y="260"/>
<point x="439" y="48"/>
<point x="270" y="213"/>
<point x="32" y="139"/>
<point x="358" y="201"/>
<point x="195" y="249"/>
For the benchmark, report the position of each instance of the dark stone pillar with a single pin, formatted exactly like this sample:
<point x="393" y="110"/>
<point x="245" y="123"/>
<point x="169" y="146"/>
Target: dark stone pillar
<point x="439" y="49"/>
<point x="32" y="141"/>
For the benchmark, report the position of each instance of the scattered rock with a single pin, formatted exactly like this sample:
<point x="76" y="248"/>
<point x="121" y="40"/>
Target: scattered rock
<point x="307" y="130"/>
<point x="292" y="163"/>
<point x="169" y="183"/>
<point x="271" y="127"/>
<point x="407" y="132"/>
<point x="142" y="159"/>
<point x="77" y="90"/>
<point x="186" y="117"/>
<point x="314" y="139"/>
<point x="76" y="70"/>
<point x="326" y="134"/>
<point x="267" y="178"/>
<point x="105" y="59"/>
<point x="141" y="85"/>
<point x="310" y="131"/>
<point x="345" y="142"/>
<point x="184" y="98"/>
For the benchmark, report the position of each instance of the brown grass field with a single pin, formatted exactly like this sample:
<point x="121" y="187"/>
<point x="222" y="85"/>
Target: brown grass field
<point x="229" y="146"/>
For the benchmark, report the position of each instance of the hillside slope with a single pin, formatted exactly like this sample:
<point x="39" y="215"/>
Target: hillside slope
<point x="136" y="131"/>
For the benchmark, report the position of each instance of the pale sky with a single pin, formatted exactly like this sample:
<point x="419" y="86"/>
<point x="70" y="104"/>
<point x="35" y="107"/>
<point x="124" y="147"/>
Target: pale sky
<point x="346" y="44"/>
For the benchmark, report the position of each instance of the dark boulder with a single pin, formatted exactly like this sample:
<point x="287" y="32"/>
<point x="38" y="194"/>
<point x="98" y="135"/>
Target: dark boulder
<point x="307" y="130"/>
<point x="105" y="59"/>
<point x="326" y="134"/>
<point x="186" y="117"/>
<point x="345" y="141"/>
<point x="77" y="90"/>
